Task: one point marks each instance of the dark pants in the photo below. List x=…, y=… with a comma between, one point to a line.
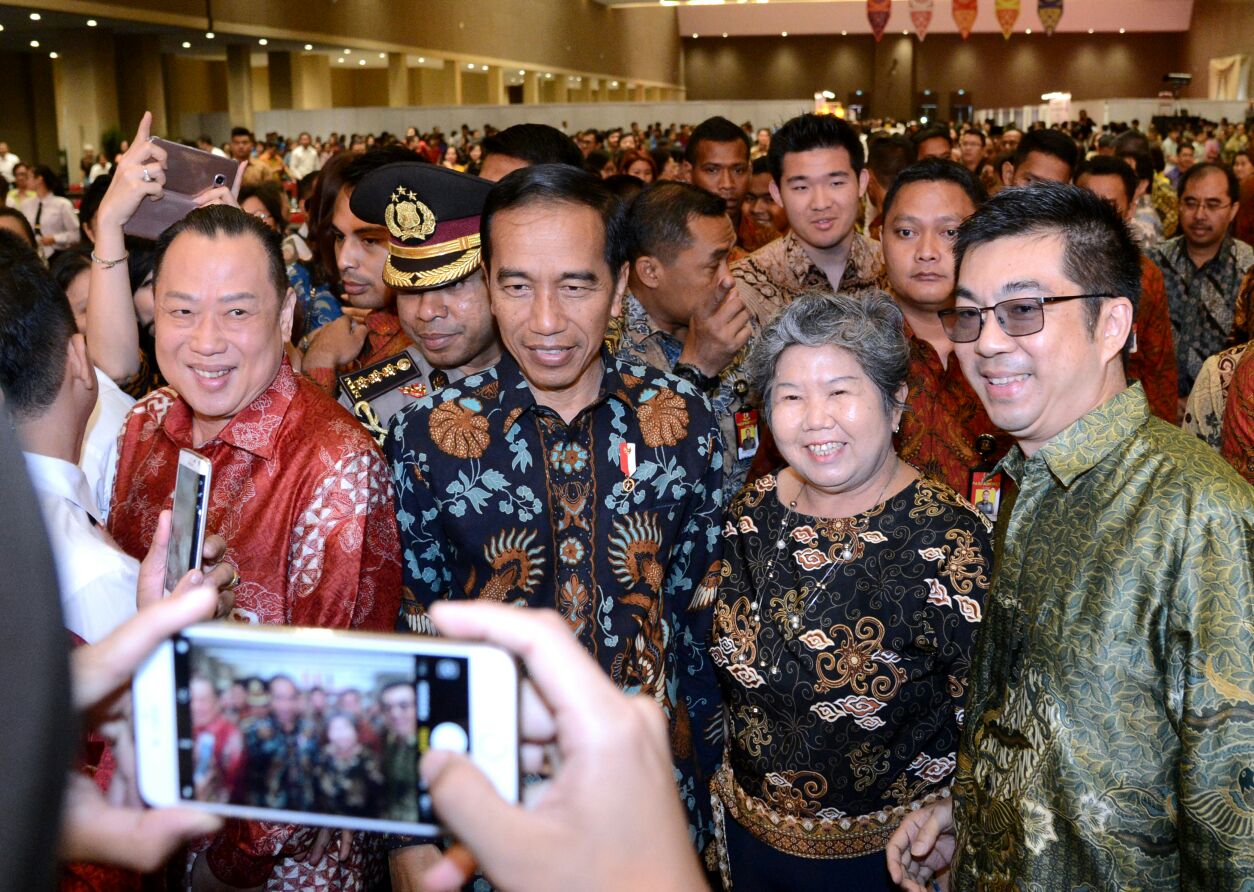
x=756, y=867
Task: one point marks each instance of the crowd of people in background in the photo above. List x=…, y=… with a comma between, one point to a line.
x=745, y=407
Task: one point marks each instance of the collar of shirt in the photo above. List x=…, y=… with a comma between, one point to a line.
x=516, y=398
x=1177, y=254
x=62, y=479
x=860, y=267
x=1088, y=441
x=253, y=429
x=638, y=326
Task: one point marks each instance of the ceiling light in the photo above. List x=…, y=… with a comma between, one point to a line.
x=340, y=60
x=308, y=47
x=34, y=44
x=724, y=33
x=263, y=41
x=614, y=83
x=52, y=55
x=383, y=55
x=347, y=51
x=1028, y=31
x=361, y=61
x=695, y=35
x=844, y=33
x=1, y=27
x=521, y=71
x=470, y=65
x=1090, y=30
x=422, y=60
x=783, y=33
x=905, y=33
x=34, y=16
x=187, y=44
x=91, y=23
x=1122, y=30
x=209, y=35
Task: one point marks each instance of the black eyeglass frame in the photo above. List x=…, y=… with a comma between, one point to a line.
x=952, y=312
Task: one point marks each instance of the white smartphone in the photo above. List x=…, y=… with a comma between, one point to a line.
x=319, y=726
x=189, y=515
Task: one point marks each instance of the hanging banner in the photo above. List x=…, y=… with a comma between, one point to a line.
x=921, y=16
x=877, y=13
x=964, y=16
x=1007, y=12
x=1050, y=12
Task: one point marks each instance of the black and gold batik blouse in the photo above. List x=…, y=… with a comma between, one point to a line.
x=842, y=647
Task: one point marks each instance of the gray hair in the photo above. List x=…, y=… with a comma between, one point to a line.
x=868, y=327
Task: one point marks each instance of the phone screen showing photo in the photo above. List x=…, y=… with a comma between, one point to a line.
x=180, y=554
x=326, y=731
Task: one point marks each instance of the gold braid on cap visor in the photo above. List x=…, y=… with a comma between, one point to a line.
x=441, y=275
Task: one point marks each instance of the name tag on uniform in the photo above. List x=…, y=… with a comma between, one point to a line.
x=985, y=493
x=747, y=434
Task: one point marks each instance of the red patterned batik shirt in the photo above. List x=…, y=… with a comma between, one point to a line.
x=304, y=501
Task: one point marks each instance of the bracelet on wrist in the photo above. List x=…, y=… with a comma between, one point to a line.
x=697, y=378
x=110, y=264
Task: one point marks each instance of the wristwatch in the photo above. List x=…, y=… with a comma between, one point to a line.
x=697, y=378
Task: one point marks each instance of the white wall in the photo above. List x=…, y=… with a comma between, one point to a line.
x=1106, y=111
x=568, y=116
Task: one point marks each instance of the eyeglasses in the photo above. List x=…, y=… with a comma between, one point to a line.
x=1213, y=206
x=1018, y=317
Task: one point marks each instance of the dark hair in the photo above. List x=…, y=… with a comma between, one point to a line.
x=1108, y=166
x=242, y=131
x=221, y=221
x=595, y=162
x=759, y=165
x=716, y=129
x=936, y=170
x=558, y=184
x=67, y=265
x=1131, y=142
x=535, y=144
x=1099, y=252
x=624, y=186
x=206, y=138
x=1234, y=185
x=308, y=183
x=141, y=254
x=50, y=178
x=658, y=220
x=976, y=131
x=92, y=196
x=270, y=196
x=1141, y=160
x=36, y=324
x=25, y=224
x=937, y=132
x=1048, y=142
x=631, y=156
x=809, y=131
x=888, y=155
x=360, y=165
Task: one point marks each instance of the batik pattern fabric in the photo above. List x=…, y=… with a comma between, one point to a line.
x=943, y=419
x=1108, y=724
x=351, y=785
x=1204, y=412
x=1243, y=313
x=774, y=276
x=842, y=646
x=304, y=501
x=613, y=520
x=279, y=764
x=1166, y=204
x=384, y=338
x=318, y=304
x=1238, y=424
x=638, y=341
x=1202, y=300
x=751, y=236
x=1153, y=363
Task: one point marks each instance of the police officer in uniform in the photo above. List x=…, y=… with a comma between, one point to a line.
x=432, y=217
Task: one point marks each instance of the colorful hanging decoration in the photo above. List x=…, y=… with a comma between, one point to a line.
x=964, y=16
x=877, y=13
x=1050, y=12
x=1007, y=12
x=921, y=16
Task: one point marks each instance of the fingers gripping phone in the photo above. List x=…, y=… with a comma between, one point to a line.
x=315, y=726
x=188, y=172
x=188, y=517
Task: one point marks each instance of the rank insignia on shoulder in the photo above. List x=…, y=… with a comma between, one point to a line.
x=388, y=374
x=417, y=391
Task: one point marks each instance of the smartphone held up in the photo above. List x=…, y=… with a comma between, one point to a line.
x=316, y=726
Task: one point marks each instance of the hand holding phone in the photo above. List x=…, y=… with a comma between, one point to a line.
x=189, y=516
x=615, y=779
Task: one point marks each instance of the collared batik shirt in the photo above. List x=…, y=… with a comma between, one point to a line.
x=638, y=341
x=1238, y=426
x=1108, y=735
x=1202, y=300
x=1204, y=412
x=613, y=520
x=771, y=278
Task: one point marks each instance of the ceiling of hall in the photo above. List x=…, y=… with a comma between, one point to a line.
x=750, y=18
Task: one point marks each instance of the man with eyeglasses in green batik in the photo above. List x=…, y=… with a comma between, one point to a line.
x=1202, y=268
x=1107, y=729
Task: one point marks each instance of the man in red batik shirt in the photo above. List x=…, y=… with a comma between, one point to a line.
x=300, y=492
x=944, y=420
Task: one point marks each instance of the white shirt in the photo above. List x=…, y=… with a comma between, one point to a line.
x=57, y=219
x=97, y=578
x=8, y=161
x=302, y=161
x=98, y=170
x=99, y=460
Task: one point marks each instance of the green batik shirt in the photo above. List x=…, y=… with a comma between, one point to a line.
x=1109, y=741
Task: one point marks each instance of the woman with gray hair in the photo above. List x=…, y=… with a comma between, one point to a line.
x=851, y=590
